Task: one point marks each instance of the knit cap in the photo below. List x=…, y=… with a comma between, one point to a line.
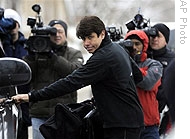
x=164, y=30
x=10, y=13
x=62, y=23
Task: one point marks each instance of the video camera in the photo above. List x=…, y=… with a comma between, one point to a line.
x=139, y=22
x=39, y=42
x=127, y=45
x=114, y=33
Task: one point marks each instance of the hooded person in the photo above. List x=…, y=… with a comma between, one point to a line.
x=148, y=87
x=141, y=55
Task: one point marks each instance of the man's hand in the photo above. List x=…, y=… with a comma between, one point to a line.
x=2, y=100
x=20, y=98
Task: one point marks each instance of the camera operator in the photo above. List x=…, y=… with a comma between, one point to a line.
x=15, y=46
x=158, y=50
x=47, y=67
x=147, y=88
x=13, y=42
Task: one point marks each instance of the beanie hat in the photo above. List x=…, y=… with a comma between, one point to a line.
x=164, y=30
x=10, y=13
x=62, y=23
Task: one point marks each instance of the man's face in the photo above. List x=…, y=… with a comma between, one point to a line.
x=15, y=30
x=92, y=42
x=137, y=46
x=60, y=37
x=158, y=42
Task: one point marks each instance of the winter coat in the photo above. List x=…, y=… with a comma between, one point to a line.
x=109, y=73
x=165, y=56
x=147, y=89
x=46, y=69
x=15, y=49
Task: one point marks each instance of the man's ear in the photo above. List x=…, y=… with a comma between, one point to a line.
x=103, y=34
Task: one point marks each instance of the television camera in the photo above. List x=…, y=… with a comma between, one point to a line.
x=139, y=22
x=114, y=33
x=39, y=42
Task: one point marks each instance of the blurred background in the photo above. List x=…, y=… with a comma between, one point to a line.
x=112, y=12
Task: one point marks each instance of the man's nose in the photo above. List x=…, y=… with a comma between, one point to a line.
x=86, y=41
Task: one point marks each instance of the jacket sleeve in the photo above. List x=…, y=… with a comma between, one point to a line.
x=152, y=72
x=64, y=66
x=93, y=71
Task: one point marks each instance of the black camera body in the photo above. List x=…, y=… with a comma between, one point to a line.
x=127, y=45
x=151, y=32
x=114, y=33
x=39, y=42
x=139, y=22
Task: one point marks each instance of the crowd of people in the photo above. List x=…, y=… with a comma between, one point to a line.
x=128, y=110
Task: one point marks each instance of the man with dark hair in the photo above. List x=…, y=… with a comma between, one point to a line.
x=109, y=73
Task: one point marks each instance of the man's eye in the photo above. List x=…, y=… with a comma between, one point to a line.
x=60, y=31
x=137, y=43
x=90, y=37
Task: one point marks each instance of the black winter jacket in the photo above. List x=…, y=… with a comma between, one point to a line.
x=165, y=56
x=109, y=73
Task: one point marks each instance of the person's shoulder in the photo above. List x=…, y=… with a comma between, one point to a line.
x=72, y=50
x=170, y=53
x=150, y=60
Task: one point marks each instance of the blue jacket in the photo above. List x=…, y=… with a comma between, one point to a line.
x=15, y=49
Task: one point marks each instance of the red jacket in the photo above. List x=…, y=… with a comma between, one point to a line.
x=147, y=89
x=150, y=104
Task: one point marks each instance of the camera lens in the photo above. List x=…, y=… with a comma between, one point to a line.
x=40, y=44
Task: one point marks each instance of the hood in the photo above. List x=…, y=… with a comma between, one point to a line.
x=144, y=39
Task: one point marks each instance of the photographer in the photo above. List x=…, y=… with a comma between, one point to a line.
x=15, y=46
x=13, y=42
x=147, y=88
x=47, y=67
x=159, y=50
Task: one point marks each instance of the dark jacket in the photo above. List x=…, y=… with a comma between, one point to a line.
x=170, y=90
x=15, y=49
x=147, y=88
x=109, y=73
x=46, y=69
x=165, y=56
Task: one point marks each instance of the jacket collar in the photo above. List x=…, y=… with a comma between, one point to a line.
x=105, y=42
